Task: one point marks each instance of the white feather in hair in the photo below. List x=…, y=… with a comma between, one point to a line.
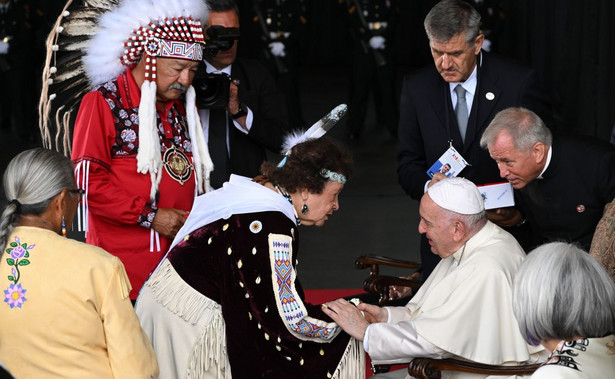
x=317, y=130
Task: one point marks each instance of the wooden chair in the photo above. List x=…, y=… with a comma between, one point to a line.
x=379, y=284
x=423, y=368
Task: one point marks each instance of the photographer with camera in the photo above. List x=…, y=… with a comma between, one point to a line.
x=238, y=100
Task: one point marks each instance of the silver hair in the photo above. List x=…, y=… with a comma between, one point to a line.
x=561, y=292
x=472, y=222
x=523, y=125
x=449, y=18
x=31, y=180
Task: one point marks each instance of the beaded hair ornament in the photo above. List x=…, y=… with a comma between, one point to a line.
x=319, y=129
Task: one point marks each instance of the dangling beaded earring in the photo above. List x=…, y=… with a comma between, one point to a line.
x=63, y=227
x=304, y=209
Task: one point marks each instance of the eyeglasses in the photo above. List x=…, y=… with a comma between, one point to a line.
x=78, y=191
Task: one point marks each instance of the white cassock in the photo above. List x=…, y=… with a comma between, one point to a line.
x=463, y=310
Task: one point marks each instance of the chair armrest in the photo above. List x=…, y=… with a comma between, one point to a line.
x=379, y=284
x=373, y=261
x=428, y=368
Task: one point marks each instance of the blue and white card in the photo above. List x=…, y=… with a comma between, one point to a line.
x=451, y=163
x=498, y=195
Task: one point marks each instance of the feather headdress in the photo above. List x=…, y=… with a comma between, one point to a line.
x=114, y=36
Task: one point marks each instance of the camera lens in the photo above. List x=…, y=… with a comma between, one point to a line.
x=212, y=91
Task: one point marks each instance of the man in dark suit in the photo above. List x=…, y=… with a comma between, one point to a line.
x=430, y=106
x=562, y=183
x=253, y=119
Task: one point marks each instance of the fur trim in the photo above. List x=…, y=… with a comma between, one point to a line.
x=148, y=156
x=203, y=165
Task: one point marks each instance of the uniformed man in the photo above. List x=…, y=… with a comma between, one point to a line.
x=280, y=24
x=372, y=25
x=492, y=22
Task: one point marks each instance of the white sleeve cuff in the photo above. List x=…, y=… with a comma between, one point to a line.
x=249, y=119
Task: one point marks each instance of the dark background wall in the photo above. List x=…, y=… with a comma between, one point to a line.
x=570, y=43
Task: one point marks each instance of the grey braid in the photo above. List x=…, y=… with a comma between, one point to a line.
x=31, y=180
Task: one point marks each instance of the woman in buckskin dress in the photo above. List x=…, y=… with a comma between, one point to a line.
x=226, y=301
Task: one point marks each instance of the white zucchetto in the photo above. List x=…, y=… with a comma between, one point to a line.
x=458, y=195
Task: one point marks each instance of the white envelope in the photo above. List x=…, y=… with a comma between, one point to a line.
x=498, y=195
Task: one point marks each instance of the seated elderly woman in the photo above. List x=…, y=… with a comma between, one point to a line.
x=66, y=312
x=226, y=300
x=565, y=300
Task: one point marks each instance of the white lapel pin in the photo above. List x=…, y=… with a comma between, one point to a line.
x=490, y=96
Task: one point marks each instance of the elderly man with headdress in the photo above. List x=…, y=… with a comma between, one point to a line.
x=226, y=301
x=464, y=309
x=138, y=146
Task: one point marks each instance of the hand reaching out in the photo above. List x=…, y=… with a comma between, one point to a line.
x=168, y=221
x=350, y=318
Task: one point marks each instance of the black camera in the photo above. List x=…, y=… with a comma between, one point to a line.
x=212, y=90
x=220, y=39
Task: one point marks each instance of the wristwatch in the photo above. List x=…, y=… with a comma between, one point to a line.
x=243, y=111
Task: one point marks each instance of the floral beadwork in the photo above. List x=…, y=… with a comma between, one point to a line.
x=18, y=253
x=15, y=295
x=256, y=226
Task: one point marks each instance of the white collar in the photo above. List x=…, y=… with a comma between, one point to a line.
x=470, y=83
x=546, y=163
x=240, y=195
x=209, y=68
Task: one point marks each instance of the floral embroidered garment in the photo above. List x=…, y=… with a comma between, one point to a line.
x=66, y=312
x=226, y=301
x=117, y=212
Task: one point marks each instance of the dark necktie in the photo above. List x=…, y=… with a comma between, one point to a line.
x=461, y=111
x=217, y=147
